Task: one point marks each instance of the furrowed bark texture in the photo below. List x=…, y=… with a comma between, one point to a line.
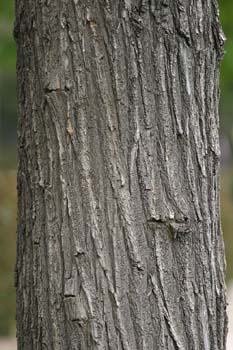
x=119, y=237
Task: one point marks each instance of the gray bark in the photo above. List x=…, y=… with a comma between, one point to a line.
x=119, y=238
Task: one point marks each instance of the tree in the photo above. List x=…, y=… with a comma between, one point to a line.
x=119, y=237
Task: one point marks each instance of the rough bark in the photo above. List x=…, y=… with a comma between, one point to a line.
x=119, y=237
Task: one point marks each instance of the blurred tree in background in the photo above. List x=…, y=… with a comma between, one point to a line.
x=226, y=133
x=7, y=244
x=8, y=115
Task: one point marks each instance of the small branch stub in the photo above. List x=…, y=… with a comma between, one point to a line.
x=70, y=128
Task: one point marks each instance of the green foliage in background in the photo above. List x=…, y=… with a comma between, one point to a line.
x=226, y=77
x=7, y=45
x=7, y=160
x=226, y=14
x=8, y=106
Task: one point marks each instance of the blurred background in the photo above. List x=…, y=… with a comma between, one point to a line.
x=8, y=163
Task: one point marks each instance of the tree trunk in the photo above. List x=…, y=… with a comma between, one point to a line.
x=119, y=237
